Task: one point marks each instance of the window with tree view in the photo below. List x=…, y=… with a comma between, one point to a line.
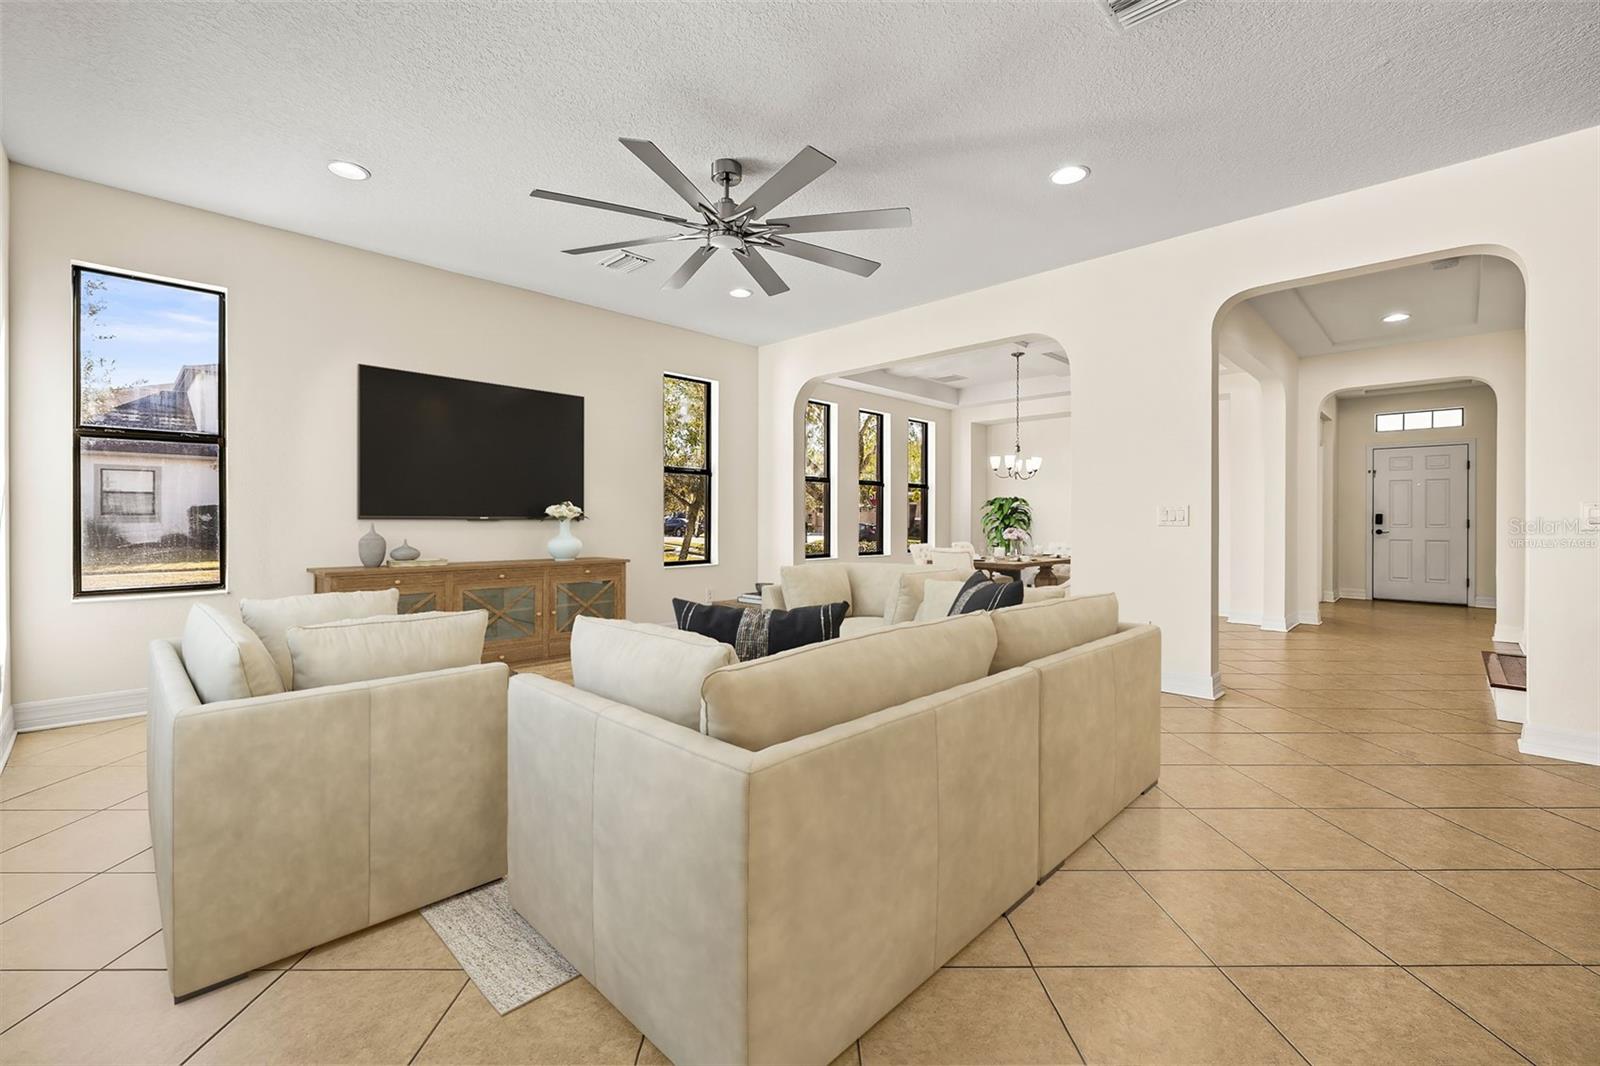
x=869, y=517
x=686, y=470
x=147, y=435
x=918, y=492
x=819, y=487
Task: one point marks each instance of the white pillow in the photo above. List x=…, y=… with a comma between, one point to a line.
x=905, y=600
x=1038, y=594
x=272, y=619
x=815, y=584
x=653, y=668
x=937, y=599
x=363, y=649
x=224, y=659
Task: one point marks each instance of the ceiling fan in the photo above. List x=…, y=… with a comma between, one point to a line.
x=742, y=229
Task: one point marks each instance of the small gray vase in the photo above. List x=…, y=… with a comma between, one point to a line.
x=405, y=553
x=371, y=547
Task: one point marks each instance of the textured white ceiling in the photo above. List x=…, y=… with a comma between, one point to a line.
x=1479, y=294
x=1210, y=112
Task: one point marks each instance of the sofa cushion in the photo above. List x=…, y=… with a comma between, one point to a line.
x=1035, y=630
x=755, y=632
x=757, y=704
x=906, y=596
x=872, y=586
x=854, y=627
x=225, y=660
x=654, y=668
x=937, y=599
x=981, y=594
x=272, y=619
x=362, y=649
x=814, y=584
x=1040, y=593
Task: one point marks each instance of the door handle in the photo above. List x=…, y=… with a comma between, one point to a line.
x=1380, y=532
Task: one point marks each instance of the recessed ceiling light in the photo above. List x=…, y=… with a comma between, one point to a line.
x=1070, y=174
x=340, y=168
x=1396, y=316
x=739, y=294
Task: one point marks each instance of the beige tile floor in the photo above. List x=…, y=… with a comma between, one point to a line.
x=1347, y=860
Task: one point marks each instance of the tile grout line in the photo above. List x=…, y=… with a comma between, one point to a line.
x=234, y=1016
x=1048, y=998
x=465, y=981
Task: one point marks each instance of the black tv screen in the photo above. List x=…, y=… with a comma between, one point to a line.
x=438, y=447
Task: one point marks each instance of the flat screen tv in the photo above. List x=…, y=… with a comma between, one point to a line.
x=438, y=447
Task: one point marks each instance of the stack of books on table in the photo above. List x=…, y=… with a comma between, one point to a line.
x=753, y=598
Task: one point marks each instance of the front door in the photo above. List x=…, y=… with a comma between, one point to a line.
x=1419, y=523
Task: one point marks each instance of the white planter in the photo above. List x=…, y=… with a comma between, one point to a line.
x=564, y=545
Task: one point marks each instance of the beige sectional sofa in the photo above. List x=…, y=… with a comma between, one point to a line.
x=871, y=589
x=846, y=818
x=284, y=816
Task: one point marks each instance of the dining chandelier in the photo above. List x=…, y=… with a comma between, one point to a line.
x=1014, y=465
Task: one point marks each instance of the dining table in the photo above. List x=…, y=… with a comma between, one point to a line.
x=1013, y=567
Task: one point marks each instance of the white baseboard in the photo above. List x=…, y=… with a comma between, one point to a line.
x=1330, y=595
x=79, y=710
x=1510, y=704
x=1486, y=602
x=1560, y=744
x=1201, y=686
x=1251, y=618
x=8, y=733
x=1312, y=617
x=1278, y=625
x=1508, y=634
x=1353, y=594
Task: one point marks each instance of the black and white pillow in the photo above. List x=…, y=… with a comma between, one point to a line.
x=982, y=594
x=755, y=632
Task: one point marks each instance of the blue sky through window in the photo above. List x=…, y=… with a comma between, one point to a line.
x=148, y=330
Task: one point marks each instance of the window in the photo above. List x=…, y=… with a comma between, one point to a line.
x=147, y=435
x=686, y=470
x=819, y=487
x=918, y=492
x=869, y=517
x=1444, y=418
x=127, y=492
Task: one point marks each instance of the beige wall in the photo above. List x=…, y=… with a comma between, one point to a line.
x=7, y=722
x=1049, y=492
x=850, y=403
x=302, y=314
x=1357, y=434
x=1144, y=389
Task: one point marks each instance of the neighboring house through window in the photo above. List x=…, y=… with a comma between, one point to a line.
x=148, y=444
x=870, y=531
x=686, y=417
x=819, y=483
x=919, y=493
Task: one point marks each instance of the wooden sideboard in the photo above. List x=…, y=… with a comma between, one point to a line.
x=532, y=603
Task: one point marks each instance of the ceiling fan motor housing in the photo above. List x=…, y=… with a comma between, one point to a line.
x=727, y=172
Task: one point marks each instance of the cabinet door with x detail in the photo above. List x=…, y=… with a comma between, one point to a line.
x=513, y=601
x=592, y=591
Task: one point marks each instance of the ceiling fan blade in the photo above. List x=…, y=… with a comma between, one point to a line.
x=828, y=257
x=839, y=221
x=758, y=268
x=656, y=160
x=614, y=245
x=584, y=201
x=696, y=260
x=806, y=167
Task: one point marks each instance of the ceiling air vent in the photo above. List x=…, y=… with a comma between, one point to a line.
x=949, y=379
x=1446, y=264
x=1127, y=13
x=626, y=262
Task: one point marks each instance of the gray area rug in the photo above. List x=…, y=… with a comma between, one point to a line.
x=505, y=956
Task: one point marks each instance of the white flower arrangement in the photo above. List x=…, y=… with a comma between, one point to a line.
x=564, y=510
x=1012, y=533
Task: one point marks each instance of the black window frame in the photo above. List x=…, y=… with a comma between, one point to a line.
x=706, y=471
x=923, y=484
x=826, y=481
x=862, y=482
x=81, y=432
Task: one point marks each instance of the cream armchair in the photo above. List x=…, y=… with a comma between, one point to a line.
x=283, y=821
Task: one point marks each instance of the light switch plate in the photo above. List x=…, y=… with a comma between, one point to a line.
x=1173, y=515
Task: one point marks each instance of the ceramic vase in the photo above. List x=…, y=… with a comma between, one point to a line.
x=371, y=547
x=405, y=553
x=564, y=545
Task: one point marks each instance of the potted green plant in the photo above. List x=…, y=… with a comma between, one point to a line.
x=1004, y=513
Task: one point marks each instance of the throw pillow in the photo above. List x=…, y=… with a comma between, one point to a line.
x=937, y=598
x=981, y=594
x=272, y=619
x=654, y=668
x=755, y=632
x=906, y=596
x=365, y=649
x=224, y=659
x=814, y=584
